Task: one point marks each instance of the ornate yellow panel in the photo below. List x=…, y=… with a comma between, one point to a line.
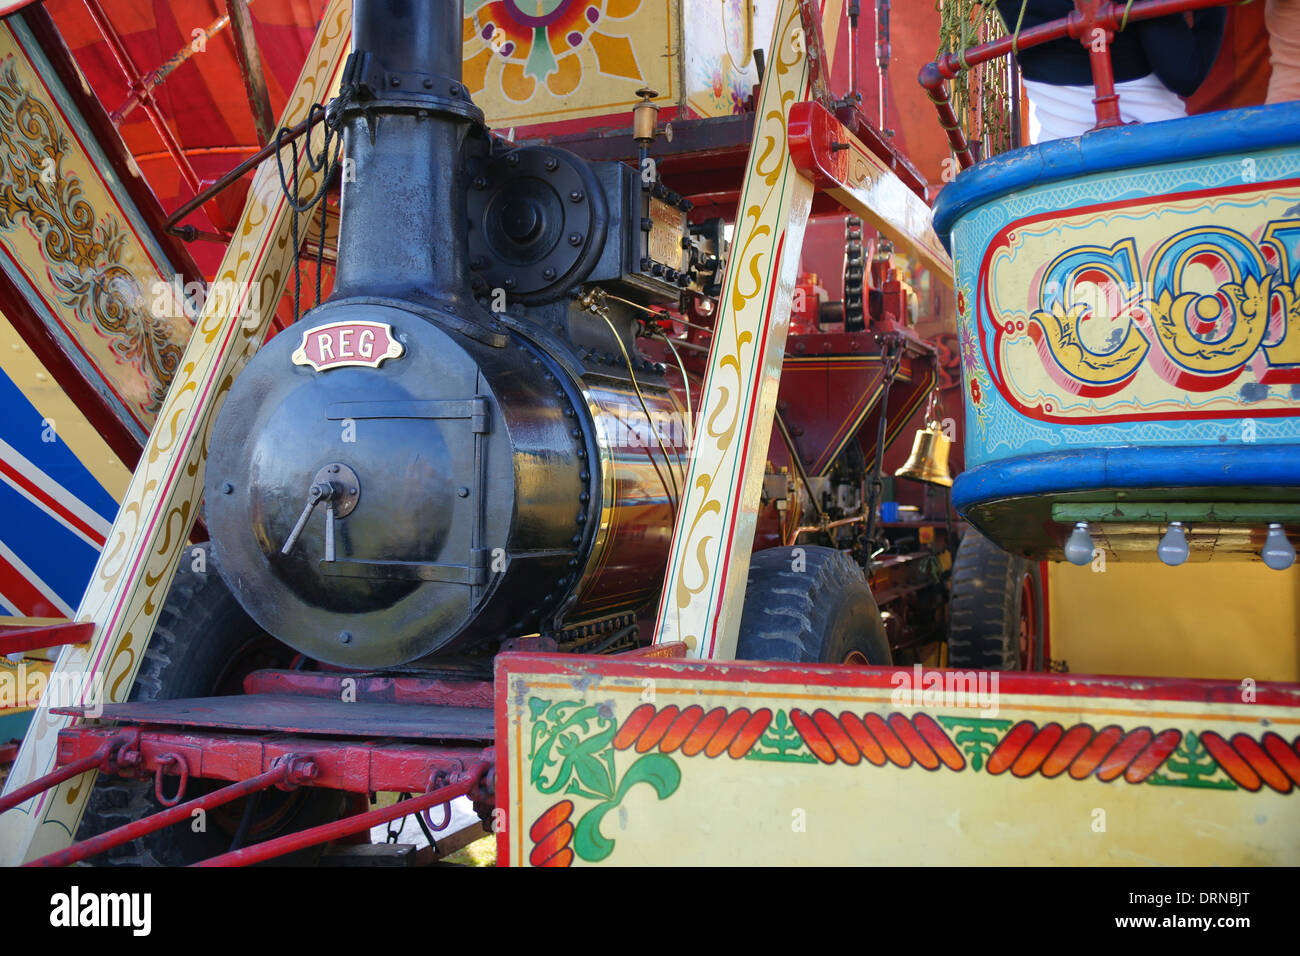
x=532, y=62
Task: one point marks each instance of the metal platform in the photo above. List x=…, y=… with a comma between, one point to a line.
x=305, y=715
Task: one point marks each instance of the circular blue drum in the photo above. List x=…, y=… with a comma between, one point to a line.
x=1128, y=308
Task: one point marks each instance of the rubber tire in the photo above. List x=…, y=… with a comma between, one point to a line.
x=819, y=614
x=984, y=614
x=203, y=645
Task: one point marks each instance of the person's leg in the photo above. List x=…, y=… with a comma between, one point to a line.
x=1282, y=17
x=1056, y=112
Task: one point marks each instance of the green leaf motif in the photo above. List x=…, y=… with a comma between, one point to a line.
x=1191, y=765
x=658, y=770
x=570, y=747
x=977, y=736
x=781, y=742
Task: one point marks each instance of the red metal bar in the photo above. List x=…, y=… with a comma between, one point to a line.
x=354, y=765
x=1088, y=15
x=811, y=16
x=289, y=771
x=395, y=689
x=102, y=756
x=155, y=78
x=137, y=85
x=15, y=639
x=292, y=842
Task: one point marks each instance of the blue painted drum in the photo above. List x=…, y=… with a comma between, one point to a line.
x=1129, y=320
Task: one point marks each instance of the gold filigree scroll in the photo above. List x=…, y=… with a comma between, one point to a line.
x=82, y=251
x=144, y=545
x=705, y=584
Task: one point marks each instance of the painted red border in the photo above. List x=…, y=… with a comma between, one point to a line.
x=764, y=673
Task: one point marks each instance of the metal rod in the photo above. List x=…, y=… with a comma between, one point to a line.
x=14, y=640
x=1109, y=16
x=189, y=233
x=157, y=77
x=66, y=772
x=292, y=842
x=882, y=60
x=136, y=83
x=806, y=528
x=158, y=821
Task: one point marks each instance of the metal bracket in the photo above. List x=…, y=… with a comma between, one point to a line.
x=810, y=16
x=474, y=574
x=475, y=409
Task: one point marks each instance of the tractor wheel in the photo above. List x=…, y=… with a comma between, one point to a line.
x=996, y=616
x=810, y=605
x=204, y=645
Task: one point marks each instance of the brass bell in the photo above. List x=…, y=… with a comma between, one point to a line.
x=929, y=460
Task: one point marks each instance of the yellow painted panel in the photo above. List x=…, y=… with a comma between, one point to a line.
x=689, y=763
x=573, y=60
x=1219, y=619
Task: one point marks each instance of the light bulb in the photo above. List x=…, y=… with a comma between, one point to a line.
x=1278, y=553
x=1079, y=547
x=1173, y=546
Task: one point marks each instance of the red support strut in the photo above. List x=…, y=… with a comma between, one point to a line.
x=101, y=758
x=467, y=783
x=290, y=771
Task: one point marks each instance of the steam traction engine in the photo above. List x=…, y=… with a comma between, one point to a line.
x=479, y=442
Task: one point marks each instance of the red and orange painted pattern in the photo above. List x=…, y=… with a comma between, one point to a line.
x=1083, y=750
x=1026, y=749
x=894, y=739
x=551, y=834
x=693, y=730
x=1251, y=765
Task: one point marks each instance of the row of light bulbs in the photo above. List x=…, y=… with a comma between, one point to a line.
x=1278, y=552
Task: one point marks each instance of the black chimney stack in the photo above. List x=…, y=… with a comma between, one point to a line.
x=403, y=213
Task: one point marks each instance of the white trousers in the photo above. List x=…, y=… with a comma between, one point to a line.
x=1056, y=112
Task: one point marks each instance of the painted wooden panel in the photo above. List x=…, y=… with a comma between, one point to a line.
x=1152, y=306
x=75, y=247
x=699, y=763
x=704, y=590
x=548, y=61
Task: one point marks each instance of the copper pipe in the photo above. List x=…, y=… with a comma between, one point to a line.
x=805, y=528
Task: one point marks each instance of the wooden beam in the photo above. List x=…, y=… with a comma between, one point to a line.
x=838, y=162
x=250, y=63
x=704, y=591
x=135, y=570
